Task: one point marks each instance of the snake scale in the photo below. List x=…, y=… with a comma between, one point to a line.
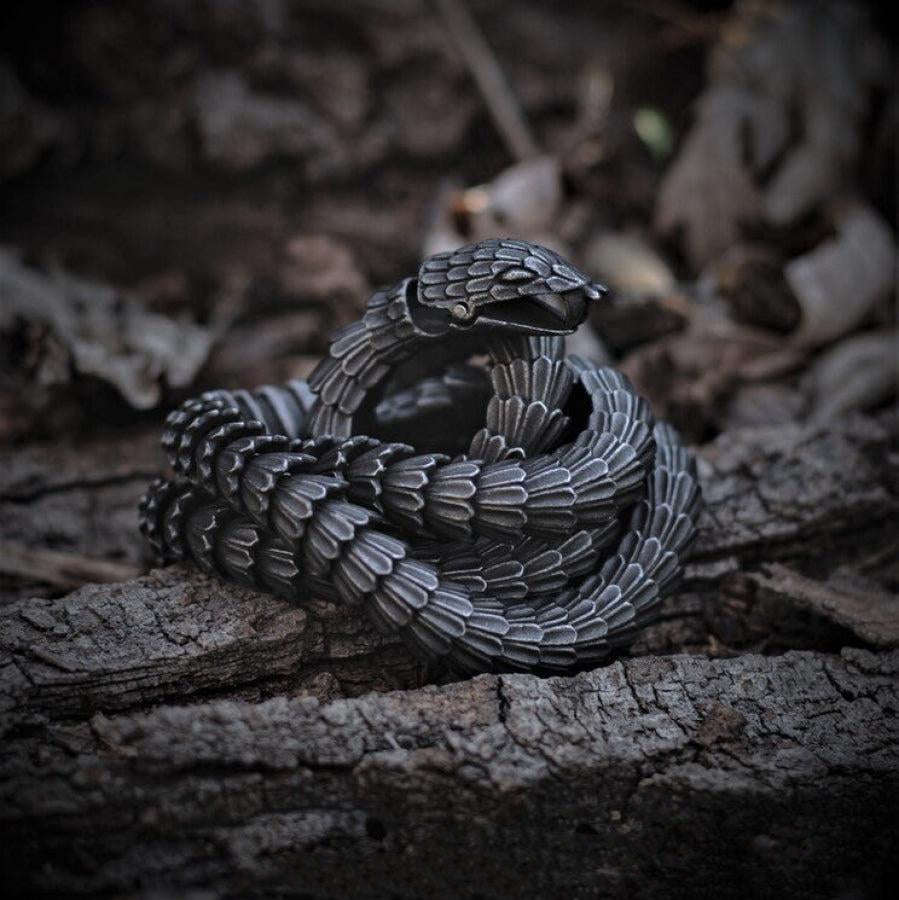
x=543, y=542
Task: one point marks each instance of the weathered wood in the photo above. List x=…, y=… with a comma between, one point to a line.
x=717, y=772
x=76, y=497
x=871, y=614
x=716, y=778
x=789, y=490
x=64, y=570
x=176, y=633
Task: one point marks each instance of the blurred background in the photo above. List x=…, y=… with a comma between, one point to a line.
x=195, y=195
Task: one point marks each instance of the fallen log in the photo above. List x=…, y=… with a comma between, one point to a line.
x=173, y=731
x=647, y=778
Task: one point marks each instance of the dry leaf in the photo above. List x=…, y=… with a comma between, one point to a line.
x=814, y=61
x=709, y=192
x=240, y=128
x=838, y=283
x=630, y=266
x=322, y=269
x=523, y=201
x=750, y=279
x=104, y=333
x=646, y=302
x=859, y=373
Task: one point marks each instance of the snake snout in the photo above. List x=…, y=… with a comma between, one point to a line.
x=578, y=301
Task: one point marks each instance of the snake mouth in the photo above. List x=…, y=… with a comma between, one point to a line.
x=549, y=313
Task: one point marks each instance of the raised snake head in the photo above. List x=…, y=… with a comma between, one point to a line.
x=505, y=283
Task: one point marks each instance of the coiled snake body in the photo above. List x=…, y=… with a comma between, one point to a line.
x=549, y=542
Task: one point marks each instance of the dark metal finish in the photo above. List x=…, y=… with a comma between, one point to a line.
x=506, y=284
x=546, y=545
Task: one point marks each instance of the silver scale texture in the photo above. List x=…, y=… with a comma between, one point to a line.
x=544, y=545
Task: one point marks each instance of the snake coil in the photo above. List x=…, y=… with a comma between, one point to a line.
x=542, y=543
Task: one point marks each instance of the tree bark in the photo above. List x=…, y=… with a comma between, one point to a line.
x=172, y=731
x=728, y=776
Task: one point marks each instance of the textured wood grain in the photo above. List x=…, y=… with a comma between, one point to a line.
x=173, y=731
x=726, y=775
x=77, y=497
x=175, y=635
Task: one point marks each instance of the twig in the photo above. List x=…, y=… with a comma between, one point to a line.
x=692, y=26
x=64, y=570
x=501, y=102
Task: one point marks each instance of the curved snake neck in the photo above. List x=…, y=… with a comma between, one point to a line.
x=545, y=546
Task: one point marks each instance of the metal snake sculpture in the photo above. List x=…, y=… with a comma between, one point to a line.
x=544, y=546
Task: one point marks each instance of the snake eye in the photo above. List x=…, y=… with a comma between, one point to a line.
x=463, y=312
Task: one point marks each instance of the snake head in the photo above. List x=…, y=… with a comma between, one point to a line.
x=504, y=283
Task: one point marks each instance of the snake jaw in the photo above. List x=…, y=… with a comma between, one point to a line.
x=550, y=313
x=503, y=283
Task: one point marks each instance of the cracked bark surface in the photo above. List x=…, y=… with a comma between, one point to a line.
x=723, y=774
x=76, y=498
x=172, y=731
